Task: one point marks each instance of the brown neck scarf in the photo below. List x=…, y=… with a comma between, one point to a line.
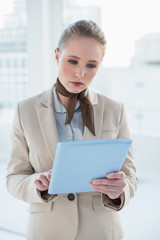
x=85, y=106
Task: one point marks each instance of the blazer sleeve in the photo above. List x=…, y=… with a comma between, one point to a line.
x=20, y=173
x=128, y=168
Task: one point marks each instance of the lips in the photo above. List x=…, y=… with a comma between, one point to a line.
x=76, y=83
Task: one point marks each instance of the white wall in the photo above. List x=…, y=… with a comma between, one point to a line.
x=147, y=153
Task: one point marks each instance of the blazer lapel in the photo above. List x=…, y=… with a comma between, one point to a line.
x=98, y=107
x=47, y=121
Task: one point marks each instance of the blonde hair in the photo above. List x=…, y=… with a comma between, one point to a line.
x=83, y=28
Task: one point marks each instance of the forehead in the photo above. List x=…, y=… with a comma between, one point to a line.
x=83, y=48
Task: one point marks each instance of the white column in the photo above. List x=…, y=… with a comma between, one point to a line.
x=44, y=29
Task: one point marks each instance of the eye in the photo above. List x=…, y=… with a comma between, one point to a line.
x=91, y=66
x=72, y=62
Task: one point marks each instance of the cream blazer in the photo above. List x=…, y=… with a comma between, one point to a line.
x=90, y=216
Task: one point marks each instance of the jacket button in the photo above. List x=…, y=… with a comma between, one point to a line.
x=71, y=196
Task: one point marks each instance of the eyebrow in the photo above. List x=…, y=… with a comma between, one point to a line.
x=79, y=58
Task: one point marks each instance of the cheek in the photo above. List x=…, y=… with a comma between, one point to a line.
x=65, y=69
x=91, y=74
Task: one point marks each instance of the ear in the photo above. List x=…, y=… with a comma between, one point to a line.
x=57, y=55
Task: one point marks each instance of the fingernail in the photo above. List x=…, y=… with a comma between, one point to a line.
x=94, y=182
x=109, y=175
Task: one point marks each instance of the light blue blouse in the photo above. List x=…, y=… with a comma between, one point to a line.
x=72, y=131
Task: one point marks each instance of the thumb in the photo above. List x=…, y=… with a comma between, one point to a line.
x=48, y=176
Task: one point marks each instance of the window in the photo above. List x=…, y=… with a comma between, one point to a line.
x=13, y=54
x=13, y=87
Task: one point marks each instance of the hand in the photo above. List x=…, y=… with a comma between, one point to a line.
x=42, y=182
x=113, y=185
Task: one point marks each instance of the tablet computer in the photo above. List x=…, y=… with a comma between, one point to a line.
x=77, y=163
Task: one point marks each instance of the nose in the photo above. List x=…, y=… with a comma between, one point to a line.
x=80, y=73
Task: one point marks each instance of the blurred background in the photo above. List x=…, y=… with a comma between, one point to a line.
x=29, y=33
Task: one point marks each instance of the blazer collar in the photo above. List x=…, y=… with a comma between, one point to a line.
x=47, y=98
x=47, y=121
x=93, y=97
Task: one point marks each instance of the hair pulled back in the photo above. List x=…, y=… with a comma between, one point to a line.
x=82, y=28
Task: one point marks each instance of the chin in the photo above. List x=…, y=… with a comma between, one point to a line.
x=75, y=90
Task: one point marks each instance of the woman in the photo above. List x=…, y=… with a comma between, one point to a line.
x=70, y=111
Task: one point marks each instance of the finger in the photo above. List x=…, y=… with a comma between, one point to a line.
x=110, y=182
x=113, y=193
x=39, y=185
x=116, y=175
x=48, y=176
x=108, y=188
x=44, y=180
